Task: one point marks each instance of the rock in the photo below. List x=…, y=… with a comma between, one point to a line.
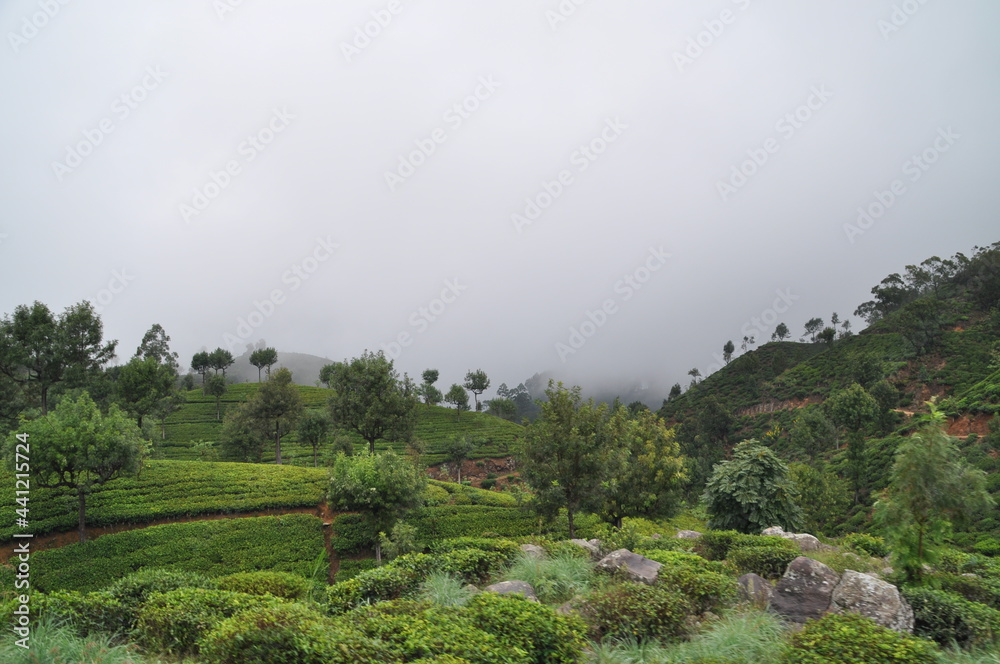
x=872, y=598
x=513, y=587
x=638, y=568
x=471, y=589
x=887, y=571
x=805, y=590
x=655, y=536
x=774, y=531
x=595, y=550
x=804, y=541
x=533, y=551
x=688, y=534
x=755, y=590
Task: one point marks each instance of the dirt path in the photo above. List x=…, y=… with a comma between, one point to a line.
x=56, y=540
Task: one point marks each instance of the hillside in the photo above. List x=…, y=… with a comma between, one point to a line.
x=190, y=432
x=304, y=367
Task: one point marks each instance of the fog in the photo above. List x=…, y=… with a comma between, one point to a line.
x=605, y=191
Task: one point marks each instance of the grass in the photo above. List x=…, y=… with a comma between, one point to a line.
x=53, y=643
x=444, y=589
x=556, y=579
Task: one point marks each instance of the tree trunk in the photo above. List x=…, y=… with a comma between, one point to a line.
x=277, y=443
x=315, y=462
x=258, y=374
x=617, y=522
x=45, y=400
x=82, y=525
x=378, y=551
x=218, y=408
x=572, y=528
x=371, y=447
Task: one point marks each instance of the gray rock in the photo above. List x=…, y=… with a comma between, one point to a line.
x=593, y=549
x=513, y=587
x=533, y=551
x=638, y=568
x=775, y=531
x=471, y=589
x=755, y=590
x=805, y=591
x=872, y=598
x=688, y=534
x=804, y=541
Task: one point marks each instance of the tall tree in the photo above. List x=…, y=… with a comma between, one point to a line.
x=752, y=491
x=221, y=359
x=502, y=407
x=565, y=452
x=780, y=333
x=200, y=364
x=457, y=450
x=477, y=383
x=813, y=327
x=459, y=398
x=314, y=429
x=277, y=404
x=675, y=391
x=854, y=410
x=215, y=387
x=263, y=357
x=430, y=376
x=39, y=350
x=383, y=486
x=371, y=399
x=243, y=436
x=432, y=396
x=142, y=384
x=156, y=344
x=646, y=470
x=78, y=448
x=727, y=351
x=930, y=487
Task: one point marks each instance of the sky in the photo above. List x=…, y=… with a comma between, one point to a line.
x=606, y=191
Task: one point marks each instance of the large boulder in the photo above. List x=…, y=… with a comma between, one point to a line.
x=872, y=598
x=754, y=589
x=774, y=531
x=636, y=567
x=593, y=547
x=805, y=591
x=513, y=587
x=804, y=541
x=533, y=551
x=688, y=534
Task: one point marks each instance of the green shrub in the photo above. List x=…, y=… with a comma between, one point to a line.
x=472, y=565
x=769, y=562
x=500, y=545
x=174, y=621
x=972, y=588
x=55, y=643
x=412, y=630
x=555, y=579
x=90, y=613
x=865, y=544
x=278, y=584
x=852, y=639
x=706, y=583
x=133, y=590
x=988, y=547
x=667, y=544
x=538, y=630
x=435, y=495
x=716, y=544
x=487, y=484
x=561, y=548
x=350, y=568
x=947, y=617
x=635, y=610
x=376, y=585
x=289, y=634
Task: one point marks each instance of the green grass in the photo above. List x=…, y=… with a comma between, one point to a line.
x=444, y=589
x=53, y=643
x=166, y=489
x=196, y=421
x=556, y=579
x=289, y=543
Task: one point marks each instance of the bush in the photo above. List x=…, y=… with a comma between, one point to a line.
x=90, y=613
x=473, y=565
x=716, y=544
x=706, y=583
x=635, y=610
x=543, y=634
x=554, y=579
x=947, y=617
x=174, y=621
x=500, y=545
x=289, y=634
x=444, y=589
x=382, y=583
x=769, y=562
x=974, y=589
x=58, y=644
x=987, y=547
x=852, y=639
x=865, y=544
x=278, y=584
x=134, y=589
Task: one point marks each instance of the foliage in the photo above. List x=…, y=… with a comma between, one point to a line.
x=476, y=382
x=457, y=397
x=635, y=610
x=555, y=579
x=823, y=497
x=546, y=636
x=263, y=357
x=865, y=544
x=769, y=562
x=947, y=617
x=444, y=589
x=401, y=540
x=277, y=407
x=314, y=429
x=62, y=646
x=752, y=491
x=133, y=590
x=278, y=584
x=852, y=639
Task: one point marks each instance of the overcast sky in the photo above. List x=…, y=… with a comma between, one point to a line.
x=606, y=190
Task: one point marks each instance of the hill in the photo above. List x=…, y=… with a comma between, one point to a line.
x=191, y=432
x=304, y=367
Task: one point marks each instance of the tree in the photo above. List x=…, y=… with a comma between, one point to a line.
x=166, y=406
x=827, y=335
x=457, y=397
x=263, y=357
x=430, y=376
x=200, y=364
x=748, y=342
x=327, y=372
x=704, y=440
x=565, y=452
x=727, y=351
x=929, y=487
x=39, y=350
x=695, y=375
x=675, y=391
x=477, y=383
x=853, y=410
x=78, y=448
x=142, y=384
x=458, y=450
x=645, y=474
x=277, y=404
x=156, y=344
x=780, y=333
x=751, y=492
x=221, y=359
x=824, y=497
x=370, y=399
x=813, y=327
x=215, y=387
x=502, y=407
x=432, y=396
x=812, y=433
x=381, y=485
x=243, y=436
x=314, y=429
